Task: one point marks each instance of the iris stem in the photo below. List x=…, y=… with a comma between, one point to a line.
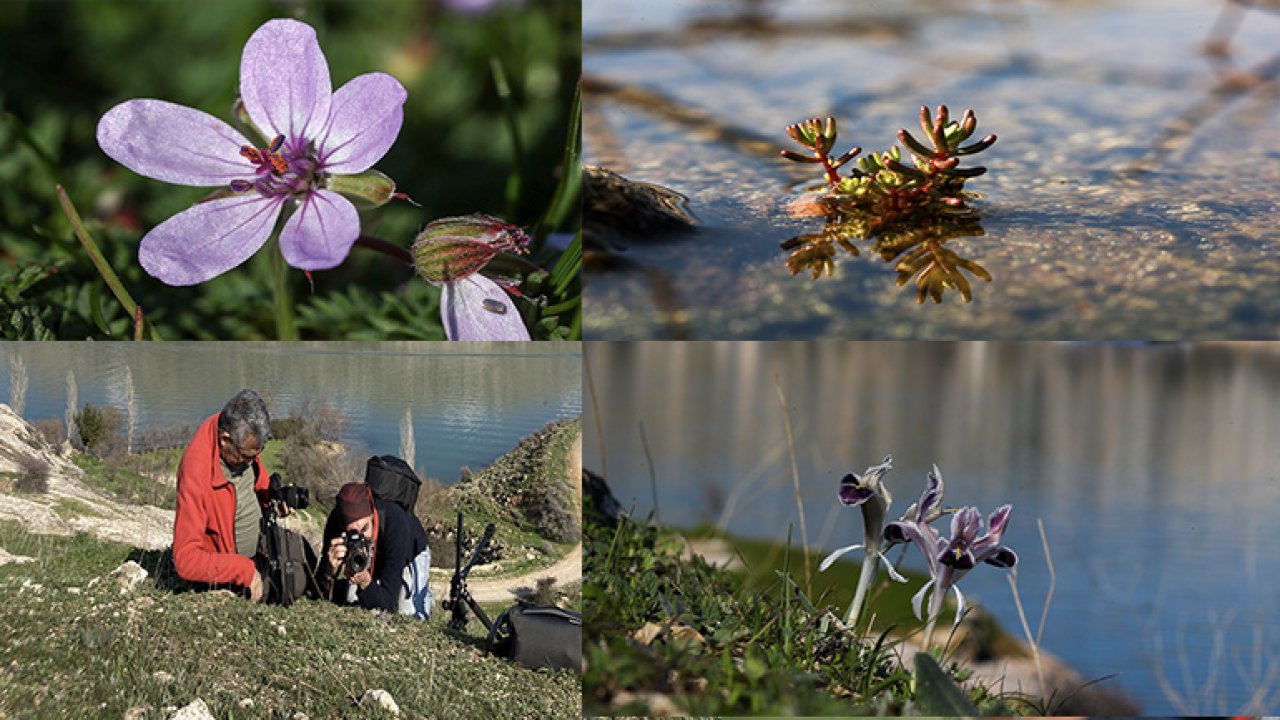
x=868, y=574
x=286, y=329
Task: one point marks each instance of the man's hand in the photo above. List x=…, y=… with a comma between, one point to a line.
x=281, y=509
x=362, y=579
x=255, y=587
x=337, y=553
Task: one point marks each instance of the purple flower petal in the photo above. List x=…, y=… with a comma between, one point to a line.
x=176, y=144
x=208, y=239
x=469, y=310
x=1001, y=557
x=284, y=80
x=364, y=120
x=998, y=521
x=321, y=231
x=852, y=492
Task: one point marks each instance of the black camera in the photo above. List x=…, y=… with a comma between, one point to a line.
x=359, y=554
x=294, y=496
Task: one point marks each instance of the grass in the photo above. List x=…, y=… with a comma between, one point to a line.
x=76, y=647
x=750, y=642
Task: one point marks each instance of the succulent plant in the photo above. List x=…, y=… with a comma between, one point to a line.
x=819, y=137
x=909, y=208
x=890, y=189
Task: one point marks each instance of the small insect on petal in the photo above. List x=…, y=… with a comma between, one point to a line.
x=495, y=306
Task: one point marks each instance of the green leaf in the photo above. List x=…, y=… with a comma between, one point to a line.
x=565, y=199
x=936, y=693
x=568, y=266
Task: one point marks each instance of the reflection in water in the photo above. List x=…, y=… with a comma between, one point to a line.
x=919, y=249
x=470, y=402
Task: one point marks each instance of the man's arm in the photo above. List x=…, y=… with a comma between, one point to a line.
x=192, y=561
x=393, y=549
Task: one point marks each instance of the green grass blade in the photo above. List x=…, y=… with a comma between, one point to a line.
x=565, y=199
x=515, y=180
x=569, y=266
x=100, y=262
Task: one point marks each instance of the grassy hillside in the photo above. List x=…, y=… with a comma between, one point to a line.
x=76, y=644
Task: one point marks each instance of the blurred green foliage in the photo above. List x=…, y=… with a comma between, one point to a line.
x=63, y=64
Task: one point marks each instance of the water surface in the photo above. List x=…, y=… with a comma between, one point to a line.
x=470, y=402
x=1132, y=193
x=1153, y=468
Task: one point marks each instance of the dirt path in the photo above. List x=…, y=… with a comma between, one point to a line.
x=566, y=571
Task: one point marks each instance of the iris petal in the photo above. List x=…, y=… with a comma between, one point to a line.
x=828, y=560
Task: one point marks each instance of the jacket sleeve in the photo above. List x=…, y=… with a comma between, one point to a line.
x=393, y=554
x=192, y=561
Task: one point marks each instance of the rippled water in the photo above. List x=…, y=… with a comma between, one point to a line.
x=470, y=402
x=1154, y=468
x=1132, y=192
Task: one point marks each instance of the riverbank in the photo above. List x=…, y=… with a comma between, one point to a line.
x=686, y=622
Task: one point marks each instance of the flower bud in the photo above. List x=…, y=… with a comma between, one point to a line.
x=453, y=248
x=367, y=190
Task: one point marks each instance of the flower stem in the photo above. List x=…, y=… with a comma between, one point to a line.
x=104, y=269
x=935, y=609
x=285, y=327
x=865, y=579
x=386, y=248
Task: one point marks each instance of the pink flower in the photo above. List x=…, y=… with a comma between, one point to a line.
x=312, y=133
x=450, y=253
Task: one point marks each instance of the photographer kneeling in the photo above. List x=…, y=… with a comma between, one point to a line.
x=376, y=555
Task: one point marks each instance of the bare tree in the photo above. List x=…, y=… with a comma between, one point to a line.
x=17, y=383
x=132, y=408
x=407, y=446
x=73, y=434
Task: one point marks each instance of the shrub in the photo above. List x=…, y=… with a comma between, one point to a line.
x=53, y=431
x=322, y=469
x=33, y=475
x=553, y=511
x=100, y=427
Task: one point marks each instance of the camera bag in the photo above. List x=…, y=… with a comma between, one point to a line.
x=538, y=636
x=286, y=562
x=391, y=478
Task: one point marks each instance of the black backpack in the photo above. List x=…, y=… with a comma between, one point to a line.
x=391, y=478
x=538, y=636
x=286, y=562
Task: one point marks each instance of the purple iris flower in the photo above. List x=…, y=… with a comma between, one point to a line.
x=312, y=133
x=949, y=560
x=868, y=492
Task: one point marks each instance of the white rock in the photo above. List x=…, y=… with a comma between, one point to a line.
x=162, y=677
x=137, y=712
x=246, y=703
x=129, y=575
x=380, y=697
x=197, y=710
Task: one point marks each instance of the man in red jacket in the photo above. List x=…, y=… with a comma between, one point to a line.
x=222, y=488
